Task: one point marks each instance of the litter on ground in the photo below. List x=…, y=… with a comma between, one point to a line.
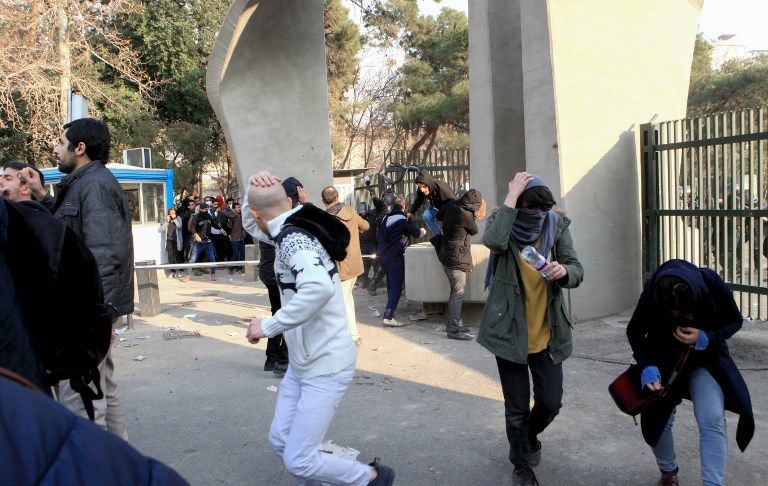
x=338, y=450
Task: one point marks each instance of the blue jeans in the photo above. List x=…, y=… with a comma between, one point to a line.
x=430, y=219
x=709, y=409
x=395, y=267
x=238, y=252
x=209, y=250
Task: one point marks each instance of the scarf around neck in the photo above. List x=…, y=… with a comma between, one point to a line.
x=528, y=227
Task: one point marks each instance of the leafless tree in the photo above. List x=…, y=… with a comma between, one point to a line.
x=49, y=47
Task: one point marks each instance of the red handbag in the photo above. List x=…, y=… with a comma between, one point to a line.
x=631, y=397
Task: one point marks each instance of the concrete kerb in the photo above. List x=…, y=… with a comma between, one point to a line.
x=431, y=407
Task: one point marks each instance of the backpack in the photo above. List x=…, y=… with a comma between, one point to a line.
x=59, y=287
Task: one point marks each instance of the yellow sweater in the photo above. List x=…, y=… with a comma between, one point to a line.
x=535, y=307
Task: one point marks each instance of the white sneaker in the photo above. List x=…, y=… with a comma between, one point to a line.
x=422, y=232
x=392, y=322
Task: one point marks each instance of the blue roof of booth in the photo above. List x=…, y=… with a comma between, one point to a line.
x=121, y=172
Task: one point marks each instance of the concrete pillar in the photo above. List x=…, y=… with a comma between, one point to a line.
x=578, y=78
x=251, y=272
x=497, y=148
x=149, y=290
x=267, y=83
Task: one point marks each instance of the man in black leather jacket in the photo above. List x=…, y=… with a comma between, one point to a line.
x=91, y=202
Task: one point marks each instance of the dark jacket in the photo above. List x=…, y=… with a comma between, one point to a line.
x=236, y=232
x=368, y=241
x=92, y=203
x=185, y=215
x=503, y=326
x=16, y=348
x=71, y=332
x=393, y=234
x=458, y=217
x=267, y=264
x=650, y=335
x=439, y=192
x=225, y=217
x=44, y=443
x=201, y=223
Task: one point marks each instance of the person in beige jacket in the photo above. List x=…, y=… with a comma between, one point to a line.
x=351, y=267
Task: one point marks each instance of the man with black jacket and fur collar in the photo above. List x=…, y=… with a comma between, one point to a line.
x=312, y=319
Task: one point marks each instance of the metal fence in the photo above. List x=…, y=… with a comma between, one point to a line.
x=450, y=165
x=704, y=199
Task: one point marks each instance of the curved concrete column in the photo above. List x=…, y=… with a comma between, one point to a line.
x=267, y=83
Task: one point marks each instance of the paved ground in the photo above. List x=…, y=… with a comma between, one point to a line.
x=430, y=407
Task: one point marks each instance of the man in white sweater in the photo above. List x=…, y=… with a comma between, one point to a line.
x=313, y=322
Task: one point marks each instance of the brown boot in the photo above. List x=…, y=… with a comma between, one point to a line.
x=668, y=480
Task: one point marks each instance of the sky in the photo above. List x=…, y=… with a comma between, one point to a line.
x=746, y=18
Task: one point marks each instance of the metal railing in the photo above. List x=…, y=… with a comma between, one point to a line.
x=704, y=199
x=181, y=266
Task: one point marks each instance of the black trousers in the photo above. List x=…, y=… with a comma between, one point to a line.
x=277, y=350
x=523, y=423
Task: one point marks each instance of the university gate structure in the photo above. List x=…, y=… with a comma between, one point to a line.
x=557, y=87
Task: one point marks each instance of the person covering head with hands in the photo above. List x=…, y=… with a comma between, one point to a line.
x=277, y=350
x=524, y=322
x=689, y=311
x=308, y=243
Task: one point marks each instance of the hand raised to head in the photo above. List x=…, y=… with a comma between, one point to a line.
x=263, y=179
x=516, y=187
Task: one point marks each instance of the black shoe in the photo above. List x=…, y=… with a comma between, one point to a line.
x=535, y=453
x=269, y=365
x=385, y=475
x=523, y=476
x=280, y=368
x=460, y=336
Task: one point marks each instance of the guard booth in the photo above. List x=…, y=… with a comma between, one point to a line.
x=149, y=193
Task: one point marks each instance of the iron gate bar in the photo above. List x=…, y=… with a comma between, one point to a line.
x=747, y=137
x=704, y=198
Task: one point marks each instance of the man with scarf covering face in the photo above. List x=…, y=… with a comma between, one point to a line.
x=524, y=323
x=684, y=307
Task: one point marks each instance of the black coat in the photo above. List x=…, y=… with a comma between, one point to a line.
x=17, y=352
x=458, y=217
x=71, y=332
x=92, y=203
x=650, y=335
x=439, y=192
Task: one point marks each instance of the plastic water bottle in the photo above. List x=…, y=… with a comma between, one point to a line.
x=538, y=261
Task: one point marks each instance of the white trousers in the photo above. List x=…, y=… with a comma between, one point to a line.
x=108, y=414
x=349, y=306
x=303, y=412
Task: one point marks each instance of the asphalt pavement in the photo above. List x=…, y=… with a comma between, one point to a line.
x=430, y=407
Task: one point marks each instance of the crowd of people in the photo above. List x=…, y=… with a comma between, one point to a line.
x=77, y=249
x=208, y=230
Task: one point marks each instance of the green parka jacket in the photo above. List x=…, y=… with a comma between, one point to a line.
x=503, y=328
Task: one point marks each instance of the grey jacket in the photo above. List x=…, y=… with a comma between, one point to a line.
x=92, y=203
